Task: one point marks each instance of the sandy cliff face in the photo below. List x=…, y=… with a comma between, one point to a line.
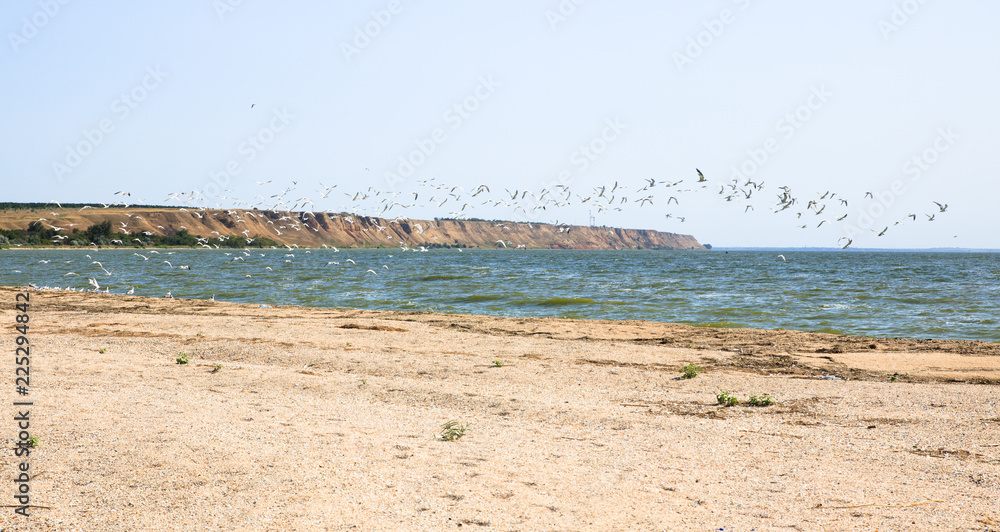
x=316, y=229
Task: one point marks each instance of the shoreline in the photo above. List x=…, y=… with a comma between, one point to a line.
x=773, y=343
x=312, y=418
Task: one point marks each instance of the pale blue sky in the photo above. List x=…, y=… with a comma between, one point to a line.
x=884, y=86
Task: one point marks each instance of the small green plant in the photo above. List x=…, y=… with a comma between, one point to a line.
x=182, y=358
x=727, y=399
x=32, y=442
x=103, y=350
x=452, y=430
x=690, y=371
x=893, y=378
x=760, y=400
x=218, y=367
x=497, y=363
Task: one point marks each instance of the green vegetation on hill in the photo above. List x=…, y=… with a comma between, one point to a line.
x=102, y=234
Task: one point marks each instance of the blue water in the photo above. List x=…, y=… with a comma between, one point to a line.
x=889, y=294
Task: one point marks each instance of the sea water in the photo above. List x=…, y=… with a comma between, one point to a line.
x=887, y=294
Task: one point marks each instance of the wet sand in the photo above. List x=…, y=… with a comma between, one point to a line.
x=289, y=418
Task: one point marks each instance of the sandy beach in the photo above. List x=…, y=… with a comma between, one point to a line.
x=289, y=418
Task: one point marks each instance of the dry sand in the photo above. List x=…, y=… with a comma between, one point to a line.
x=324, y=419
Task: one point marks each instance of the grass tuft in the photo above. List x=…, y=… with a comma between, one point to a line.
x=760, y=400
x=727, y=399
x=690, y=371
x=452, y=430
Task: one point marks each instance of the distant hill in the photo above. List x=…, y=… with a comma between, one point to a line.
x=316, y=229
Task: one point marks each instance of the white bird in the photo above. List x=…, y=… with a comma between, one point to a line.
x=371, y=271
x=942, y=207
x=169, y=295
x=131, y=291
x=782, y=257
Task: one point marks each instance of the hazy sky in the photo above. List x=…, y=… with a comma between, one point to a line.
x=893, y=97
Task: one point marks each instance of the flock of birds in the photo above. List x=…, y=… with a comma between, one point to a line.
x=299, y=211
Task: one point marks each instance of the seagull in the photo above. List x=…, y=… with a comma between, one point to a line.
x=169, y=295
x=942, y=207
x=782, y=258
x=701, y=176
x=131, y=291
x=371, y=271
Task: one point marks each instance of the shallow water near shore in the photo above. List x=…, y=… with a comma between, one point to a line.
x=888, y=294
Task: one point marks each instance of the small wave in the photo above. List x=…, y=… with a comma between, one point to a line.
x=481, y=297
x=441, y=277
x=561, y=301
